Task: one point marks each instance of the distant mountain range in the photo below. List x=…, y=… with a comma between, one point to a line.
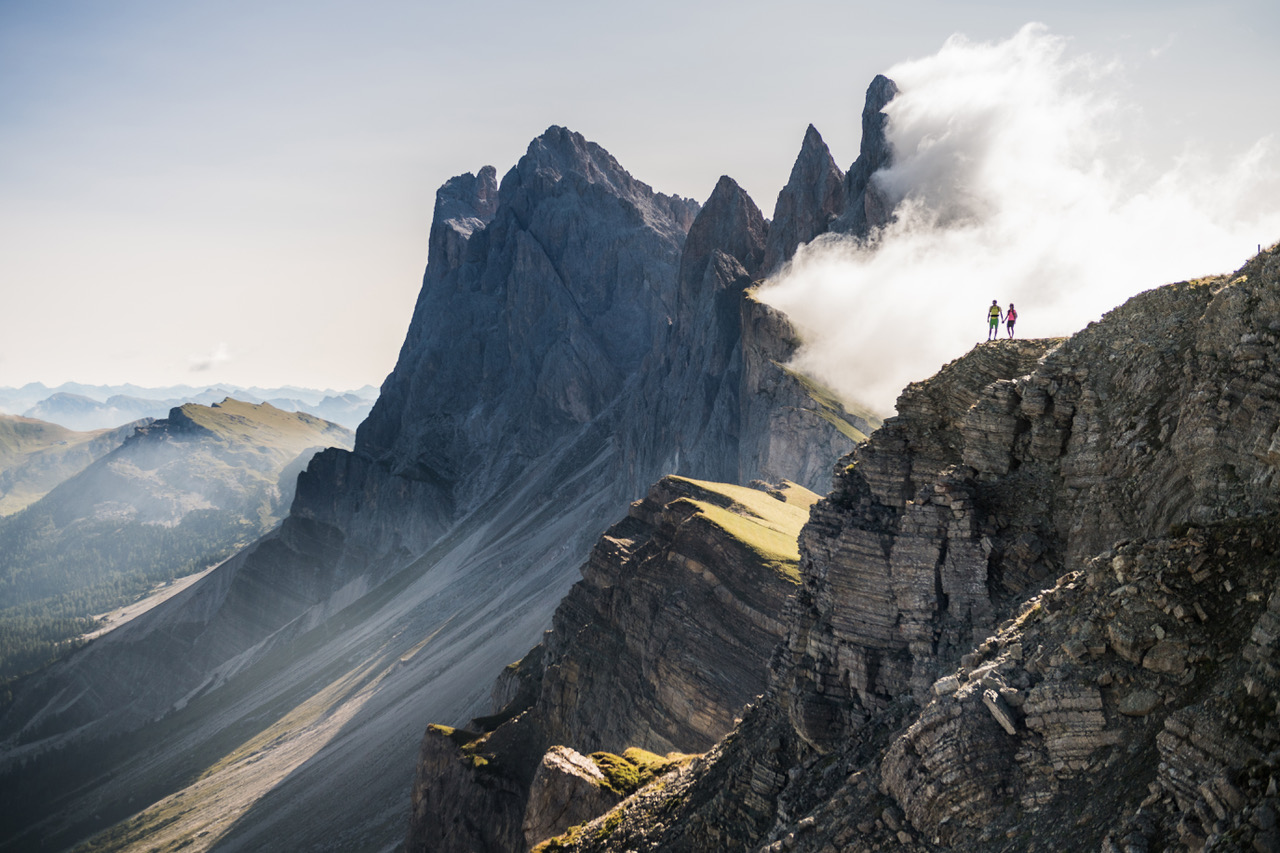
x=88, y=407
x=176, y=495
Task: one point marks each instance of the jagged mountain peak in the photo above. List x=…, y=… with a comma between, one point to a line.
x=867, y=207
x=729, y=222
x=562, y=161
x=813, y=197
x=813, y=152
x=563, y=150
x=881, y=91
x=820, y=198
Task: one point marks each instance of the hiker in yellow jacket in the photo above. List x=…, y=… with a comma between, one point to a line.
x=994, y=316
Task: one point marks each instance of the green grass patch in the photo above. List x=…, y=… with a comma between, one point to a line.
x=768, y=526
x=835, y=410
x=627, y=773
x=469, y=744
x=842, y=426
x=565, y=841
x=773, y=548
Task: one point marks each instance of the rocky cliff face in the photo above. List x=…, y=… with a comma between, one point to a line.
x=939, y=689
x=413, y=567
x=658, y=647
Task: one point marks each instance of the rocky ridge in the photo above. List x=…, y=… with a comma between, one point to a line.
x=660, y=644
x=1037, y=610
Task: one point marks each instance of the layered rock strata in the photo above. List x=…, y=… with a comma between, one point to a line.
x=930, y=695
x=659, y=646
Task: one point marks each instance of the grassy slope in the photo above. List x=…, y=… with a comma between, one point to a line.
x=35, y=456
x=766, y=525
x=835, y=411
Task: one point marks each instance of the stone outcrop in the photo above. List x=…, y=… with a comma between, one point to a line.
x=568, y=789
x=939, y=689
x=660, y=645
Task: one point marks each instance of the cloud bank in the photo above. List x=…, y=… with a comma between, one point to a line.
x=1012, y=181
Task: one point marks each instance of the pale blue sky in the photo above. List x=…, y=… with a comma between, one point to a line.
x=254, y=181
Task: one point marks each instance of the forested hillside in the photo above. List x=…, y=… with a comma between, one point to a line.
x=182, y=494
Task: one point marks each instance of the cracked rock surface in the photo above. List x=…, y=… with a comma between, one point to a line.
x=1040, y=610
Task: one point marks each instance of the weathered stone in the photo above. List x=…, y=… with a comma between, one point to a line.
x=946, y=685
x=1167, y=656
x=1000, y=711
x=1138, y=703
x=567, y=789
x=1128, y=644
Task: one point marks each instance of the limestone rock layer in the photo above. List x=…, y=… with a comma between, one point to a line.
x=660, y=645
x=1037, y=610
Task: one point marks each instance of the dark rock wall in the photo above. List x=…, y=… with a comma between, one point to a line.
x=1128, y=706
x=689, y=401
x=659, y=646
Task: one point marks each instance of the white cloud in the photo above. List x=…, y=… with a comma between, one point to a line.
x=1012, y=183
x=1157, y=52
x=201, y=363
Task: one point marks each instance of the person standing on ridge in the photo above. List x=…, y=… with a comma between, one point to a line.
x=994, y=316
x=1010, y=317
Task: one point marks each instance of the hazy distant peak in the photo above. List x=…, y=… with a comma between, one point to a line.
x=254, y=423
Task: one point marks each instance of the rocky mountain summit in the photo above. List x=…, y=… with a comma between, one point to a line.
x=536, y=395
x=1037, y=611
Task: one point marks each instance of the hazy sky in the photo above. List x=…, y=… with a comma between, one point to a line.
x=241, y=192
